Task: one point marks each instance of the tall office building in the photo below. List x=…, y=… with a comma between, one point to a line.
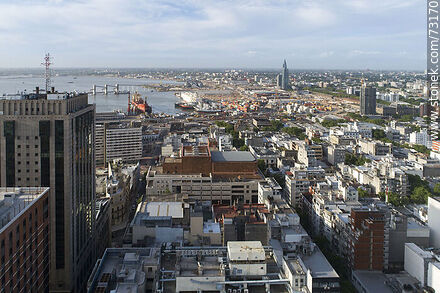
x=280, y=80
x=48, y=140
x=368, y=100
x=118, y=139
x=285, y=76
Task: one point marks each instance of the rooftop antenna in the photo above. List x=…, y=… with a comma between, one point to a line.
x=47, y=62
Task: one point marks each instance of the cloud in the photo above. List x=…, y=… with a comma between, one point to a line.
x=201, y=33
x=361, y=52
x=326, y=54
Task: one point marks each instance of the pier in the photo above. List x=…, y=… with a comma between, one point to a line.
x=117, y=88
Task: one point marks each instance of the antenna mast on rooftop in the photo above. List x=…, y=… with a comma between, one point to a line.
x=47, y=62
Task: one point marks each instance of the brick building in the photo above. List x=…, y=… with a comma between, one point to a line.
x=24, y=239
x=367, y=239
x=201, y=160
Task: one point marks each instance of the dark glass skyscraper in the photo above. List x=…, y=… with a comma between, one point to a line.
x=48, y=140
x=368, y=100
x=285, y=77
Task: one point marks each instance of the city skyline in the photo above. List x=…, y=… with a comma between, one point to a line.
x=377, y=35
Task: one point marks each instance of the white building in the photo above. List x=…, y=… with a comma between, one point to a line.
x=434, y=221
x=416, y=262
x=434, y=276
x=298, y=180
x=421, y=138
x=123, y=143
x=269, y=190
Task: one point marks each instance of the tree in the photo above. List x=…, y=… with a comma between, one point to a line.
x=397, y=200
x=420, y=195
x=378, y=134
x=362, y=193
x=261, y=165
x=280, y=178
x=244, y=148
x=351, y=159
x=331, y=123
x=416, y=181
x=294, y=131
x=437, y=189
x=406, y=118
x=238, y=142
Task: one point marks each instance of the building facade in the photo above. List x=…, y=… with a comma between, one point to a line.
x=368, y=100
x=24, y=238
x=48, y=140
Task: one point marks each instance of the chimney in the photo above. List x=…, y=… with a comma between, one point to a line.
x=37, y=90
x=52, y=90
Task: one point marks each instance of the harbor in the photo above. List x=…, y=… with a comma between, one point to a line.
x=161, y=101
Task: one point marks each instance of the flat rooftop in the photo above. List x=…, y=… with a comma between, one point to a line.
x=209, y=227
x=372, y=281
x=120, y=260
x=246, y=251
x=197, y=151
x=232, y=156
x=318, y=265
x=34, y=96
x=15, y=200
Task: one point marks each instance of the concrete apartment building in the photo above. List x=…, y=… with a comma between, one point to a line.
x=309, y=154
x=48, y=140
x=24, y=238
x=118, y=139
x=423, y=265
x=298, y=181
x=375, y=148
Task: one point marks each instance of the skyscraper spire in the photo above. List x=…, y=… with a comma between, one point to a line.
x=284, y=77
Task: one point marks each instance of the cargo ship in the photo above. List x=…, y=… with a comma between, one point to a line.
x=184, y=106
x=138, y=105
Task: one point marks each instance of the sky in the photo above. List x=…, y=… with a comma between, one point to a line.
x=309, y=34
